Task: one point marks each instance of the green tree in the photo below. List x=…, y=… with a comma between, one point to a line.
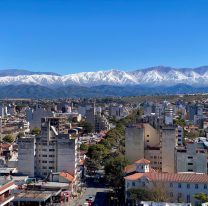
x=35, y=131
x=157, y=194
x=97, y=152
x=87, y=127
x=9, y=138
x=180, y=122
x=138, y=194
x=84, y=147
x=20, y=134
x=114, y=167
x=92, y=165
x=202, y=197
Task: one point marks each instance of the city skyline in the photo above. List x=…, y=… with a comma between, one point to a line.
x=79, y=36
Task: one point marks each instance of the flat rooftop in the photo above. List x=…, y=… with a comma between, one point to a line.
x=33, y=196
x=52, y=185
x=7, y=170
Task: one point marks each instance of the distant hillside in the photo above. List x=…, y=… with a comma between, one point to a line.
x=35, y=91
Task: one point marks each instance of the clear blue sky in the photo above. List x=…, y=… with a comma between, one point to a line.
x=68, y=36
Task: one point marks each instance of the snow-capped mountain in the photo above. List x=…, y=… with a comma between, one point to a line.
x=154, y=76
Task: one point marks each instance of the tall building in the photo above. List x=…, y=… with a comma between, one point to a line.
x=192, y=158
x=169, y=115
x=96, y=119
x=134, y=142
x=54, y=151
x=143, y=141
x=26, y=155
x=34, y=116
x=169, y=142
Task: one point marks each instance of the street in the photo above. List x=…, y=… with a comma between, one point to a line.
x=95, y=190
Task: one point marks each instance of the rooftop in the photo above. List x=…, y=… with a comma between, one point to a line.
x=142, y=161
x=33, y=196
x=170, y=177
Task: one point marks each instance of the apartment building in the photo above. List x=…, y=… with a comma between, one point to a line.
x=192, y=158
x=51, y=151
x=178, y=187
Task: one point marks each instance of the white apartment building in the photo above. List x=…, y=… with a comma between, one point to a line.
x=179, y=187
x=51, y=151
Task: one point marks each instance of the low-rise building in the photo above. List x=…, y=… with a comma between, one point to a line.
x=178, y=187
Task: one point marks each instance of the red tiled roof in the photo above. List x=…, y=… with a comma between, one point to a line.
x=142, y=161
x=130, y=168
x=170, y=177
x=67, y=176
x=7, y=185
x=4, y=145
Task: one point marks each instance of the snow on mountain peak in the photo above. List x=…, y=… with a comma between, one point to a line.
x=160, y=75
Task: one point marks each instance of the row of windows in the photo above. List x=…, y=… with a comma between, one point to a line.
x=188, y=186
x=50, y=168
x=47, y=155
x=155, y=157
x=46, y=161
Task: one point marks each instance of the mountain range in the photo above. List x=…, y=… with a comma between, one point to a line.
x=165, y=80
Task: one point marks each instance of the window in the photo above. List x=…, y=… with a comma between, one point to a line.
x=190, y=170
x=133, y=184
x=190, y=157
x=51, y=161
x=171, y=194
x=171, y=184
x=51, y=155
x=188, y=186
x=190, y=163
x=179, y=185
x=51, y=150
x=44, y=155
x=196, y=186
x=205, y=186
x=127, y=184
x=44, y=161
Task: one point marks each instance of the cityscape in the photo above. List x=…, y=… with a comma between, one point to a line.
x=104, y=151
x=103, y=103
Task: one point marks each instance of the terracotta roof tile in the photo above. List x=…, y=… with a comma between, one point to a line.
x=168, y=177
x=142, y=161
x=67, y=176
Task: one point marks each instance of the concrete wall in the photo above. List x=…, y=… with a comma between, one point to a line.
x=192, y=159
x=66, y=155
x=169, y=141
x=26, y=156
x=152, y=136
x=134, y=143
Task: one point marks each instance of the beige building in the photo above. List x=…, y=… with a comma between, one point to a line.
x=157, y=145
x=168, y=149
